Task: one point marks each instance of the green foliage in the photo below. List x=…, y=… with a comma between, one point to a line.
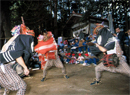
x=39, y=13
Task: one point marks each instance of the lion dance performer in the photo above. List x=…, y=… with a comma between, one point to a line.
x=22, y=41
x=113, y=59
x=48, y=47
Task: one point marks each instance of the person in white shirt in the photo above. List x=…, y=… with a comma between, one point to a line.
x=80, y=59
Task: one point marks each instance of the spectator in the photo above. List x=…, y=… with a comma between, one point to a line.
x=121, y=36
x=76, y=44
x=87, y=61
x=61, y=46
x=73, y=47
x=80, y=59
x=84, y=45
x=73, y=59
x=67, y=58
x=93, y=40
x=72, y=40
x=128, y=46
x=65, y=42
x=65, y=48
x=90, y=59
x=80, y=46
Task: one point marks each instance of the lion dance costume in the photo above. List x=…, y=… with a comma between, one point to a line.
x=48, y=48
x=21, y=42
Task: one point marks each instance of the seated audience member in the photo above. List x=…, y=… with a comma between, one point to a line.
x=87, y=37
x=65, y=42
x=69, y=47
x=65, y=48
x=76, y=44
x=80, y=59
x=128, y=47
x=61, y=45
x=90, y=44
x=72, y=40
x=73, y=47
x=84, y=45
x=80, y=46
x=67, y=58
x=73, y=59
x=90, y=60
x=121, y=37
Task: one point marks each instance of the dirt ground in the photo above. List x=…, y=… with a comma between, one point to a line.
x=77, y=84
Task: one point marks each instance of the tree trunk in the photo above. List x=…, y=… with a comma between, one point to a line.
x=55, y=19
x=5, y=24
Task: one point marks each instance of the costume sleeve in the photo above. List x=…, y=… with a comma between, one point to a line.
x=9, y=56
x=110, y=46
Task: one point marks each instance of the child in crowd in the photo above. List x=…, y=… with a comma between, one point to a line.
x=61, y=45
x=80, y=59
x=87, y=61
x=93, y=40
x=67, y=58
x=73, y=47
x=65, y=48
x=90, y=60
x=73, y=59
x=65, y=42
x=80, y=46
x=84, y=45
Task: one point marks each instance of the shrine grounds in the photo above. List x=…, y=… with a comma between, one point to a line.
x=77, y=84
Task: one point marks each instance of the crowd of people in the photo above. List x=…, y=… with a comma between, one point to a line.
x=76, y=51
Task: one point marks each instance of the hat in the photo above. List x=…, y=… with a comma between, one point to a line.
x=69, y=53
x=79, y=53
x=86, y=54
x=66, y=54
x=73, y=54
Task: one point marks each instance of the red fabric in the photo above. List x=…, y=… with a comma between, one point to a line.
x=69, y=53
x=66, y=54
x=26, y=31
x=45, y=46
x=86, y=54
x=51, y=55
x=43, y=62
x=106, y=60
